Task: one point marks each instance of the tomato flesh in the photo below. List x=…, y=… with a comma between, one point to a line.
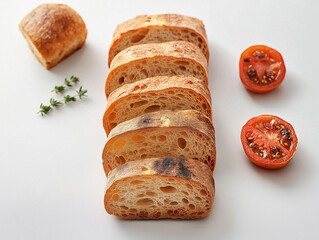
x=262, y=68
x=269, y=141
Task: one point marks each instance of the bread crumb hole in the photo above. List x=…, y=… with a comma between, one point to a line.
x=186, y=193
x=204, y=106
x=191, y=207
x=121, y=80
x=136, y=182
x=119, y=144
x=181, y=143
x=143, y=156
x=151, y=194
x=122, y=159
x=198, y=198
x=203, y=192
x=138, y=138
x=162, y=98
x=174, y=203
x=181, y=63
x=124, y=207
x=168, y=189
x=138, y=104
x=144, y=86
x=184, y=200
x=144, y=169
x=161, y=138
x=112, y=116
x=183, y=68
x=140, y=195
x=133, y=210
x=152, y=108
x=189, y=186
x=136, y=88
x=124, y=215
x=137, y=38
x=145, y=73
x=144, y=202
x=115, y=197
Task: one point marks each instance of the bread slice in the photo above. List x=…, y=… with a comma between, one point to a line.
x=157, y=29
x=154, y=94
x=166, y=133
x=160, y=188
x=53, y=32
x=156, y=59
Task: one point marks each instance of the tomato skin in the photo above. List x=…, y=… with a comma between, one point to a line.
x=248, y=83
x=264, y=162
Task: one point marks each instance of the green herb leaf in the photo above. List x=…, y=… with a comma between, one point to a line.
x=81, y=93
x=45, y=109
x=67, y=83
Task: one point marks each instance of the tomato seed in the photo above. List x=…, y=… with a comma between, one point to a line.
x=246, y=59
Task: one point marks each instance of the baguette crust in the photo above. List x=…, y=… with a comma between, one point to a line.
x=183, y=170
x=117, y=149
x=167, y=118
x=152, y=86
x=178, y=51
x=139, y=27
x=53, y=32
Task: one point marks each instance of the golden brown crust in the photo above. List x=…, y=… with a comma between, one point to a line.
x=163, y=20
x=167, y=118
x=55, y=31
x=186, y=169
x=155, y=85
x=179, y=50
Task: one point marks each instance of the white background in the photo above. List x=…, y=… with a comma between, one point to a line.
x=51, y=176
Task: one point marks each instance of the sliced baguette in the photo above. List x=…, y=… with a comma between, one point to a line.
x=154, y=94
x=166, y=133
x=156, y=59
x=53, y=32
x=157, y=29
x=160, y=188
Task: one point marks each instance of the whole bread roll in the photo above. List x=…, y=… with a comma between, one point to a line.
x=53, y=32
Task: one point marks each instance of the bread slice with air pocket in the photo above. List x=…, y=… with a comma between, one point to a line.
x=166, y=133
x=157, y=29
x=160, y=188
x=154, y=94
x=156, y=59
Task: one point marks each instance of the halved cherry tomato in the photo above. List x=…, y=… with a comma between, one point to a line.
x=261, y=68
x=269, y=141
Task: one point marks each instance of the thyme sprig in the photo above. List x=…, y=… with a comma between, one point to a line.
x=67, y=83
x=45, y=109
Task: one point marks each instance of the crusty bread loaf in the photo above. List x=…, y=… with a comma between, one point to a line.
x=53, y=32
x=160, y=188
x=156, y=59
x=166, y=133
x=157, y=29
x=154, y=94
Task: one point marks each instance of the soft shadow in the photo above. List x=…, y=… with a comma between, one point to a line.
x=296, y=172
x=283, y=95
x=216, y=221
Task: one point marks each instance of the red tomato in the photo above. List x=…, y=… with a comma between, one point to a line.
x=261, y=68
x=269, y=141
